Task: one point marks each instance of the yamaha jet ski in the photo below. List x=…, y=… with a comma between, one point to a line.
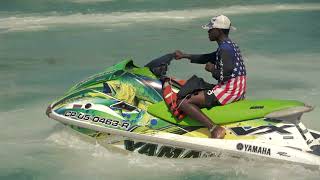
x=126, y=101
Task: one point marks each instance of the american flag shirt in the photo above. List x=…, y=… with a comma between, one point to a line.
x=231, y=87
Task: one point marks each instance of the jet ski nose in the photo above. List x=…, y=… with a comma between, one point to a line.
x=49, y=110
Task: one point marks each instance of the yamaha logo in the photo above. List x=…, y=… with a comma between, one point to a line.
x=160, y=150
x=254, y=149
x=240, y=146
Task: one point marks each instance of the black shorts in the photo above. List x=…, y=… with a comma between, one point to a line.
x=210, y=99
x=195, y=85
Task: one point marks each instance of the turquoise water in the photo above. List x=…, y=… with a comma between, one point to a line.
x=47, y=46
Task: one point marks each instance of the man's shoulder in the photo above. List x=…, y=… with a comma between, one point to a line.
x=226, y=47
x=228, y=44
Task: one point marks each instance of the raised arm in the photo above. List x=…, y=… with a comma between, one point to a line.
x=196, y=58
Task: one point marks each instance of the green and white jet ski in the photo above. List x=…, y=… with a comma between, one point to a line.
x=123, y=108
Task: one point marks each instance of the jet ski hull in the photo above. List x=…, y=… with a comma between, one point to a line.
x=168, y=145
x=116, y=103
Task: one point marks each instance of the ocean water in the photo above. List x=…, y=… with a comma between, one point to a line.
x=46, y=46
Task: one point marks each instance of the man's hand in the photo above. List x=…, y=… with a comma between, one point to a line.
x=179, y=55
x=209, y=67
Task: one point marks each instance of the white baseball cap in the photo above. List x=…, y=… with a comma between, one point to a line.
x=219, y=22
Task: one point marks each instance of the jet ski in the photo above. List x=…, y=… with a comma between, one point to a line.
x=123, y=107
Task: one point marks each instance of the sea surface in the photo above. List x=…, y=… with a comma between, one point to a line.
x=46, y=46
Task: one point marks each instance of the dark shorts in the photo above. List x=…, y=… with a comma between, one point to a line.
x=195, y=85
x=210, y=99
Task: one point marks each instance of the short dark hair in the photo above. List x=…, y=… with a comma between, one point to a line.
x=225, y=31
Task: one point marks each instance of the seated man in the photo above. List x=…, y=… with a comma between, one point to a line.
x=225, y=64
x=227, y=67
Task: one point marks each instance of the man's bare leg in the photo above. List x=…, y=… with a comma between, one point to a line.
x=191, y=107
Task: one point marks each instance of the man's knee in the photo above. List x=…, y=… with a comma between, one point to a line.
x=183, y=102
x=197, y=98
x=189, y=100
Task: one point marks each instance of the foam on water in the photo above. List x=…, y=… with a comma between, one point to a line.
x=26, y=22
